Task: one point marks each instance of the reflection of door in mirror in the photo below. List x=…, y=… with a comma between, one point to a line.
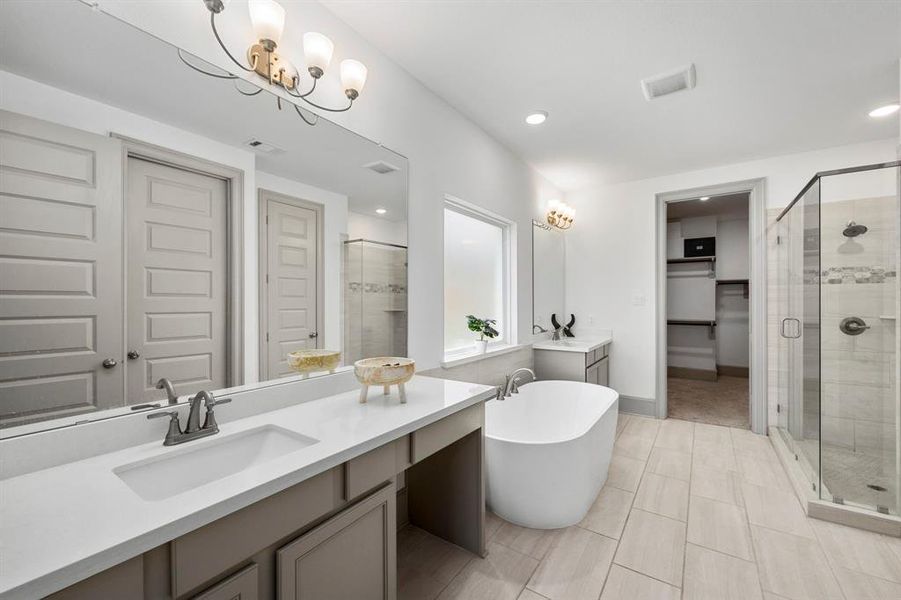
x=60, y=270
x=176, y=232
x=290, y=234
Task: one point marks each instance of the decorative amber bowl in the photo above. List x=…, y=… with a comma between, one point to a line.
x=384, y=371
x=308, y=361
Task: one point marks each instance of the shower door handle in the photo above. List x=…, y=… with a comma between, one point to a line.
x=797, y=328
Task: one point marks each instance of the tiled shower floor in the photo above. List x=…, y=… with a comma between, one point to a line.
x=848, y=474
x=689, y=510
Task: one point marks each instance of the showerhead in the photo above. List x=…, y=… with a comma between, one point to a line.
x=854, y=230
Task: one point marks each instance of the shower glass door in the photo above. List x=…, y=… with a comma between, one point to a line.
x=799, y=343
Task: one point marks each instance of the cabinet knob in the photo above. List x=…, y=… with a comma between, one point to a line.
x=133, y=354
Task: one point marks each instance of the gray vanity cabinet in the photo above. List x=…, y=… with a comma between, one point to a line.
x=352, y=555
x=330, y=537
x=590, y=367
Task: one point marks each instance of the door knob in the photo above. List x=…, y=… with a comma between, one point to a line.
x=109, y=363
x=313, y=335
x=133, y=354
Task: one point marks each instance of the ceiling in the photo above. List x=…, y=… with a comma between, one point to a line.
x=773, y=77
x=52, y=49
x=725, y=206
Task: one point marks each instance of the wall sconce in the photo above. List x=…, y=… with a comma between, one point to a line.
x=560, y=215
x=268, y=20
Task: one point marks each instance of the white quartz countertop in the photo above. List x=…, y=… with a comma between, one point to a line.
x=63, y=524
x=577, y=344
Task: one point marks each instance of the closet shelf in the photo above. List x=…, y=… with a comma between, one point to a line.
x=691, y=322
x=694, y=259
x=732, y=281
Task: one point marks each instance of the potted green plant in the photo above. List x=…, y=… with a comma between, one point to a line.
x=485, y=329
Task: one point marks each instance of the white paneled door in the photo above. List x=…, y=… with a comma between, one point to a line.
x=177, y=279
x=290, y=281
x=60, y=270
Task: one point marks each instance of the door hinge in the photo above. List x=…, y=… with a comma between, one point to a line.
x=778, y=237
x=778, y=408
x=267, y=277
x=267, y=336
x=267, y=219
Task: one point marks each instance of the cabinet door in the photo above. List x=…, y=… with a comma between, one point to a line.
x=591, y=374
x=603, y=376
x=240, y=586
x=352, y=555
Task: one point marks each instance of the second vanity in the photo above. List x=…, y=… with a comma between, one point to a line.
x=574, y=359
x=295, y=503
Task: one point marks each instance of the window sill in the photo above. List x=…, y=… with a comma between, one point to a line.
x=462, y=358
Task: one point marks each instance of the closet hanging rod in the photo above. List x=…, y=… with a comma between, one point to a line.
x=694, y=259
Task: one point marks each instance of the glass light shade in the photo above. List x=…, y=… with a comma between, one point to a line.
x=554, y=206
x=267, y=18
x=318, y=50
x=353, y=75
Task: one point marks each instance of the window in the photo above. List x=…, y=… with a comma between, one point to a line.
x=476, y=275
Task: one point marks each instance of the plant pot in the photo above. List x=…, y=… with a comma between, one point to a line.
x=481, y=346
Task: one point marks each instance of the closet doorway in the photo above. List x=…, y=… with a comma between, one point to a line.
x=710, y=302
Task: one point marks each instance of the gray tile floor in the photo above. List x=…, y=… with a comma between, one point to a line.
x=689, y=511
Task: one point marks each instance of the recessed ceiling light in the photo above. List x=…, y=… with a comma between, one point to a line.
x=381, y=211
x=884, y=111
x=537, y=118
x=704, y=198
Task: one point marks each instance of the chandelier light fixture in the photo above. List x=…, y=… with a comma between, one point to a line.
x=268, y=20
x=560, y=215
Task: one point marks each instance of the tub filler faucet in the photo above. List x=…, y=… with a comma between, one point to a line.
x=511, y=383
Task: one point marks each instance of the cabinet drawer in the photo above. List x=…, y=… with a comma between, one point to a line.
x=434, y=437
x=200, y=556
x=243, y=585
x=366, y=471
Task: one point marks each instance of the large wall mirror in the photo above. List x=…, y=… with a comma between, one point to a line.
x=158, y=223
x=548, y=269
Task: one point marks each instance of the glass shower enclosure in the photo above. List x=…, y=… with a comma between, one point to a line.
x=836, y=294
x=375, y=300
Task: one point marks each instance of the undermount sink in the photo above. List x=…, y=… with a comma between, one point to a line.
x=187, y=468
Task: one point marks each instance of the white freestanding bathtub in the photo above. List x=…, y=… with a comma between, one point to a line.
x=547, y=451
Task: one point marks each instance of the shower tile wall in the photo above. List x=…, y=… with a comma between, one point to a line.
x=375, y=301
x=859, y=278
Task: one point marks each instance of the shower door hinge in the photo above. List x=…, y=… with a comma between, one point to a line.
x=882, y=509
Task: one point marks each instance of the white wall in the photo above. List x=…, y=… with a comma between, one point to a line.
x=448, y=153
x=360, y=226
x=611, y=252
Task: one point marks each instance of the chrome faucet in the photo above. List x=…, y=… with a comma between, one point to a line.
x=193, y=429
x=511, y=385
x=539, y=328
x=165, y=384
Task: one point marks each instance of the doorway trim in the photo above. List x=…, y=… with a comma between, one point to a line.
x=263, y=194
x=758, y=288
x=234, y=180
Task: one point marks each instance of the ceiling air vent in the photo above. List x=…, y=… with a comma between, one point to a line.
x=381, y=167
x=677, y=80
x=265, y=147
